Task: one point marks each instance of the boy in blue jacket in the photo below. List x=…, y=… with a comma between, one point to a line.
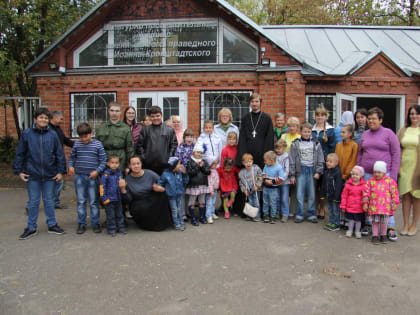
x=273, y=177
x=173, y=179
x=40, y=162
x=111, y=196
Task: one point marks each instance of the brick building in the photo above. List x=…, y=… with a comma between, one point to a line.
x=193, y=57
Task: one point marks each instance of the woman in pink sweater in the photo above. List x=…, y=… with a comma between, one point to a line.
x=351, y=201
x=380, y=200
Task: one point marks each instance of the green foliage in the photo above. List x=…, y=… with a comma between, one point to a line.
x=26, y=29
x=7, y=149
x=341, y=12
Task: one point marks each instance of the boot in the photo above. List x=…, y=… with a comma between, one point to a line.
x=203, y=215
x=192, y=215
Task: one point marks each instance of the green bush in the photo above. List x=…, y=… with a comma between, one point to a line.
x=7, y=149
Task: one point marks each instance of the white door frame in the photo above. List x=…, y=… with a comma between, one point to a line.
x=400, y=110
x=157, y=99
x=347, y=97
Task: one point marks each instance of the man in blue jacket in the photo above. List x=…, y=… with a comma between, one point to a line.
x=40, y=162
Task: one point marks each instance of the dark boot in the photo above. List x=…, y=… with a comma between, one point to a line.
x=203, y=215
x=192, y=215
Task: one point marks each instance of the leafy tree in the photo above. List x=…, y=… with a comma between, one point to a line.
x=342, y=12
x=26, y=29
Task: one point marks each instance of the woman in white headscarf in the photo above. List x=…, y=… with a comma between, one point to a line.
x=346, y=119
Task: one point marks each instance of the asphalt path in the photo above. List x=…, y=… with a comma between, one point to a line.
x=230, y=267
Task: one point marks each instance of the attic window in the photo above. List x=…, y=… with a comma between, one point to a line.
x=95, y=54
x=200, y=41
x=236, y=49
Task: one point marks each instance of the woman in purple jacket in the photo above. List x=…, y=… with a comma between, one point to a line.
x=379, y=143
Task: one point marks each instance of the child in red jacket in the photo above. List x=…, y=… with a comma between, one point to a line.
x=228, y=184
x=351, y=201
x=231, y=149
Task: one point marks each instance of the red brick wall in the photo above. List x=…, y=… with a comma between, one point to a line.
x=55, y=91
x=7, y=122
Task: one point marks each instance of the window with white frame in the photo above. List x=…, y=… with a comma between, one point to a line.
x=328, y=101
x=200, y=41
x=90, y=108
x=213, y=101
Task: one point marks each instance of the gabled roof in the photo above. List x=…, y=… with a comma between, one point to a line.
x=342, y=50
x=221, y=3
x=321, y=49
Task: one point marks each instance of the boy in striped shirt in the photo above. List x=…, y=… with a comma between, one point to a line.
x=87, y=161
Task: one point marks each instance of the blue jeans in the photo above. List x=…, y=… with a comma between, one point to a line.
x=114, y=217
x=334, y=210
x=283, y=200
x=270, y=196
x=305, y=185
x=252, y=199
x=177, y=213
x=87, y=190
x=210, y=205
x=58, y=188
x=35, y=189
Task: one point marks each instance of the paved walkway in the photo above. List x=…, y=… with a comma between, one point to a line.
x=230, y=267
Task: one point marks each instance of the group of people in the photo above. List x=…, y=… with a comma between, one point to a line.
x=164, y=175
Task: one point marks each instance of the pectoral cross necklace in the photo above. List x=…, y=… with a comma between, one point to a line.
x=254, y=133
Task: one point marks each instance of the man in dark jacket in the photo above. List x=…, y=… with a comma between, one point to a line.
x=57, y=118
x=157, y=143
x=40, y=162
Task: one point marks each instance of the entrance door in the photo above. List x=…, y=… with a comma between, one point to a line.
x=390, y=107
x=171, y=103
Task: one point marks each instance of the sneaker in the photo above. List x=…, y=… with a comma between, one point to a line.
x=27, y=234
x=313, y=220
x=383, y=239
x=60, y=206
x=349, y=233
x=367, y=230
x=298, y=220
x=215, y=217
x=113, y=234
x=122, y=231
x=210, y=220
x=331, y=227
x=273, y=221
x=291, y=215
x=392, y=235
x=320, y=217
x=55, y=230
x=266, y=219
x=80, y=229
x=284, y=219
x=358, y=234
x=227, y=215
x=128, y=215
x=375, y=240
x=182, y=228
x=256, y=219
x=97, y=228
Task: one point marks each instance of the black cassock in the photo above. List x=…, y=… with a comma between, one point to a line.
x=261, y=143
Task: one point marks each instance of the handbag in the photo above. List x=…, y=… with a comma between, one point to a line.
x=249, y=209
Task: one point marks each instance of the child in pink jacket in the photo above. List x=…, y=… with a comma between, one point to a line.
x=351, y=201
x=380, y=200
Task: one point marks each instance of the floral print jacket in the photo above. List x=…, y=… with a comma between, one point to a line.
x=381, y=195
